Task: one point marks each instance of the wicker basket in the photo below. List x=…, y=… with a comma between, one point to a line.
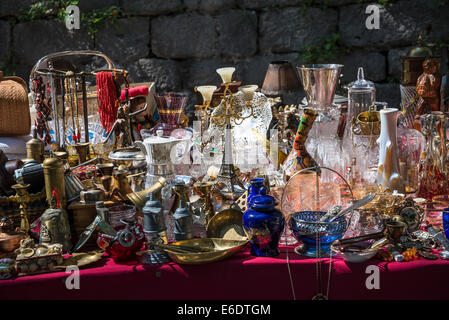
x=14, y=111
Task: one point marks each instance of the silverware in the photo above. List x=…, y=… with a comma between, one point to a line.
x=360, y=203
x=330, y=213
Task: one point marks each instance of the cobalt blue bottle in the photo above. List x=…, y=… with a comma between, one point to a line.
x=263, y=224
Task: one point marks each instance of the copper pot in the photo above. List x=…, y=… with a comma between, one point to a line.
x=10, y=242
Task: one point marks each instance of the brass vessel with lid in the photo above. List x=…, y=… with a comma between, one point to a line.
x=35, y=148
x=54, y=179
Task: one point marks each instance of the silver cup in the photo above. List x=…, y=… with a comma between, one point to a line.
x=319, y=81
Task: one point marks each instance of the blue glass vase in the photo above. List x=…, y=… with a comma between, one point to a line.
x=256, y=188
x=263, y=225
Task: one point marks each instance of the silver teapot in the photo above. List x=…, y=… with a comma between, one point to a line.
x=159, y=151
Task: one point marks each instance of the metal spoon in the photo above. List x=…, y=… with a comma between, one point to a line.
x=330, y=213
x=359, y=203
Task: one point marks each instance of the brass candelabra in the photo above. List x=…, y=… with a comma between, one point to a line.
x=230, y=112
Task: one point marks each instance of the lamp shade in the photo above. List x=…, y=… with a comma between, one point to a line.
x=280, y=78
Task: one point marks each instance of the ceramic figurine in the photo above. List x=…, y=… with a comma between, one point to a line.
x=263, y=225
x=428, y=87
x=388, y=174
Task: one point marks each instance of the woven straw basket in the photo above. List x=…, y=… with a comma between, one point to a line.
x=14, y=110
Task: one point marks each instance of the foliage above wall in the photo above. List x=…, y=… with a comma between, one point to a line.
x=56, y=9
x=323, y=50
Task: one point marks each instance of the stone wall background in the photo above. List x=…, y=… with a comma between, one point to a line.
x=180, y=43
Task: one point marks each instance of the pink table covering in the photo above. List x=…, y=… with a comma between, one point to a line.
x=240, y=277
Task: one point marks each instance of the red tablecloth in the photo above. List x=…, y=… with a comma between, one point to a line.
x=240, y=277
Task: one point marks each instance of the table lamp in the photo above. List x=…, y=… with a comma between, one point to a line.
x=281, y=78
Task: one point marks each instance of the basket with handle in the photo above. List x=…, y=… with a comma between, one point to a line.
x=14, y=111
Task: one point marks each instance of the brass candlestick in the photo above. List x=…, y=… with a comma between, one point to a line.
x=82, y=149
x=23, y=198
x=203, y=189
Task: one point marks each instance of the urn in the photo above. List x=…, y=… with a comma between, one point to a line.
x=263, y=225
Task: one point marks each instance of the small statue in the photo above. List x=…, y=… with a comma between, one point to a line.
x=120, y=186
x=55, y=226
x=122, y=125
x=428, y=87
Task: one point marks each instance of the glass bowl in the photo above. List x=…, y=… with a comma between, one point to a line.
x=309, y=231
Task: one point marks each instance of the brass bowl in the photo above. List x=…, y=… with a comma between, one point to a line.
x=221, y=249
x=367, y=123
x=227, y=224
x=10, y=242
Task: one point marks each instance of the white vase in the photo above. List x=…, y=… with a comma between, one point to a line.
x=388, y=171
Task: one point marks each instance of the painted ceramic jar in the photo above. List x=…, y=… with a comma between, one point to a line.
x=256, y=188
x=263, y=225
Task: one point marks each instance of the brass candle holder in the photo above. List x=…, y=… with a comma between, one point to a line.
x=229, y=113
x=23, y=198
x=204, y=189
x=83, y=150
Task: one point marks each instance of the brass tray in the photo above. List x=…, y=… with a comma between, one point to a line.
x=81, y=259
x=227, y=224
x=221, y=249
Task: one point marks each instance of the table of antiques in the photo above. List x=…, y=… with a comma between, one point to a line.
x=108, y=190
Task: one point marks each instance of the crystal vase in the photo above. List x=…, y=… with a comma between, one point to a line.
x=169, y=107
x=434, y=164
